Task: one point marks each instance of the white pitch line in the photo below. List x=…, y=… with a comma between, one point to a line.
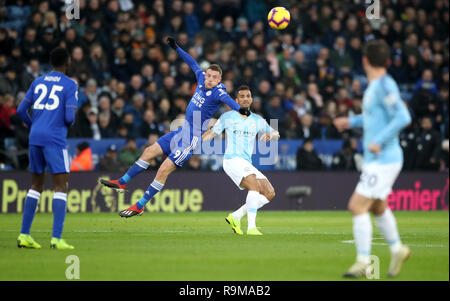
x=411, y=245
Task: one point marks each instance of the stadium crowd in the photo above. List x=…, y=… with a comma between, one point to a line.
x=131, y=85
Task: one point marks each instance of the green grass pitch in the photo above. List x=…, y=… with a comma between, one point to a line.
x=296, y=245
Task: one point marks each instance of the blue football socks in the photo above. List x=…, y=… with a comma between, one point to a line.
x=152, y=190
x=29, y=210
x=59, y=213
x=138, y=167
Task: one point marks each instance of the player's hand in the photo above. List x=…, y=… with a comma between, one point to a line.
x=271, y=136
x=265, y=138
x=171, y=42
x=244, y=111
x=374, y=148
x=341, y=123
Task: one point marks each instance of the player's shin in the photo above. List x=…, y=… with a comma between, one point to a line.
x=252, y=208
x=29, y=210
x=362, y=233
x=59, y=213
x=138, y=167
x=152, y=190
x=388, y=227
x=242, y=211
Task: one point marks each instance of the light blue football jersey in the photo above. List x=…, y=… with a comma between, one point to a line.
x=383, y=116
x=240, y=133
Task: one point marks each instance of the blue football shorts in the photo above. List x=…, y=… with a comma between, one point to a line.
x=56, y=159
x=179, y=146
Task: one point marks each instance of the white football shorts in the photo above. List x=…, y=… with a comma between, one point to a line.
x=376, y=180
x=238, y=168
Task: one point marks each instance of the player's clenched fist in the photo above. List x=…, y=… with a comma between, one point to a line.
x=171, y=42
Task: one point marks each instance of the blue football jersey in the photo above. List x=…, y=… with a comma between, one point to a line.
x=204, y=102
x=49, y=96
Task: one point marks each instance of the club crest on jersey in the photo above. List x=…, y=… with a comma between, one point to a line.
x=208, y=93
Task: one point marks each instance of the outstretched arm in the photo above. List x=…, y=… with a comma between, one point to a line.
x=269, y=132
x=185, y=56
x=225, y=98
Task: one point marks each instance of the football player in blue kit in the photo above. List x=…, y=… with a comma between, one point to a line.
x=53, y=101
x=180, y=144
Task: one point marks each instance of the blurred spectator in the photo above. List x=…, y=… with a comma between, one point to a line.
x=136, y=109
x=7, y=110
x=426, y=83
x=314, y=98
x=129, y=153
x=90, y=93
x=149, y=125
x=428, y=147
x=103, y=123
x=8, y=82
x=339, y=56
x=307, y=158
x=79, y=68
x=275, y=110
x=444, y=156
x=308, y=129
x=92, y=117
x=105, y=109
x=345, y=159
x=81, y=126
x=28, y=75
x=110, y=162
x=97, y=63
x=83, y=158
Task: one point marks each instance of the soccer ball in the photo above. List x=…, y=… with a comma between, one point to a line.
x=278, y=18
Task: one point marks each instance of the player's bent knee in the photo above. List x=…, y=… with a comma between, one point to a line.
x=353, y=208
x=270, y=194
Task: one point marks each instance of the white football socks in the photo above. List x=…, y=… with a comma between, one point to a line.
x=362, y=232
x=252, y=208
x=388, y=227
x=242, y=211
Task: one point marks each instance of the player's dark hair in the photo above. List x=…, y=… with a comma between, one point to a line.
x=377, y=52
x=242, y=88
x=215, y=67
x=58, y=57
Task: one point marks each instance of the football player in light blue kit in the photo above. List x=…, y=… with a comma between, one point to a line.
x=384, y=116
x=53, y=99
x=180, y=144
x=241, y=131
